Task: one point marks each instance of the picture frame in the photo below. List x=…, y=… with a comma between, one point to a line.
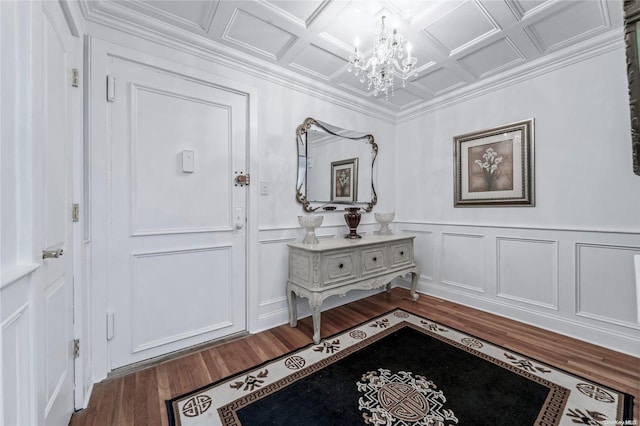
x=495, y=167
x=344, y=181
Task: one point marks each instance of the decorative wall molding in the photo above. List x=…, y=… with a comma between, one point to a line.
x=607, y=287
x=524, y=227
x=607, y=313
x=477, y=259
x=16, y=273
x=523, y=273
x=621, y=340
x=609, y=41
x=214, y=52
x=428, y=237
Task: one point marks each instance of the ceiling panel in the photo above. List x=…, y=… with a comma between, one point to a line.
x=458, y=43
x=492, y=58
x=470, y=22
x=302, y=12
x=257, y=35
x=439, y=81
x=319, y=62
x=577, y=19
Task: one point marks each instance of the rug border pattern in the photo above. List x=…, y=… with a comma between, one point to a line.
x=554, y=411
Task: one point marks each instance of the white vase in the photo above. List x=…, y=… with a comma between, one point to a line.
x=384, y=219
x=310, y=223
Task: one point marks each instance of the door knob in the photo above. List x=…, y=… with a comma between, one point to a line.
x=52, y=254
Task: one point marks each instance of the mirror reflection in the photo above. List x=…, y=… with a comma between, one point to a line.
x=335, y=167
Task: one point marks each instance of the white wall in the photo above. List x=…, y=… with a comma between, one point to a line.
x=565, y=264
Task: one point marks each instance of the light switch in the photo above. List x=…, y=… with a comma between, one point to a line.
x=264, y=187
x=188, y=161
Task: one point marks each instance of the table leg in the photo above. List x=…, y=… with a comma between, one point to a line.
x=314, y=304
x=414, y=285
x=293, y=307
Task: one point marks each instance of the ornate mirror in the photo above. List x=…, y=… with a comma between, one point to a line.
x=335, y=167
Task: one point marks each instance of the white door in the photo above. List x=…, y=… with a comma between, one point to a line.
x=177, y=239
x=54, y=144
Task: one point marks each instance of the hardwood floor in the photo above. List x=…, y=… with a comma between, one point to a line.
x=139, y=398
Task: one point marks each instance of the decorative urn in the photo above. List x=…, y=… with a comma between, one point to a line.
x=352, y=217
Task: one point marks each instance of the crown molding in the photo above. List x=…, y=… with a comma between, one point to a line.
x=116, y=17
x=609, y=41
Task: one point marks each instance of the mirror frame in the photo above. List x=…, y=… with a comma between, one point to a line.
x=631, y=20
x=301, y=131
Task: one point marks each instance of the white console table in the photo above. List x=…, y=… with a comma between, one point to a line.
x=335, y=266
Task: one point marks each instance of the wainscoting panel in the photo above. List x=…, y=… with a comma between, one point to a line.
x=577, y=283
x=463, y=261
x=527, y=271
x=274, y=258
x=18, y=355
x=424, y=244
x=179, y=294
x=603, y=277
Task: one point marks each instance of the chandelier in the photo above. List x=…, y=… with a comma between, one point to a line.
x=386, y=60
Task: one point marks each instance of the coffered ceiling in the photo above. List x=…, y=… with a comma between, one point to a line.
x=460, y=45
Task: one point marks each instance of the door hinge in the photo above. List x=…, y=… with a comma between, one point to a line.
x=75, y=77
x=76, y=348
x=75, y=212
x=110, y=325
x=111, y=88
x=242, y=179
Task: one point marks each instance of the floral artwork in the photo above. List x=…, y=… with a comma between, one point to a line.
x=493, y=170
x=495, y=166
x=344, y=181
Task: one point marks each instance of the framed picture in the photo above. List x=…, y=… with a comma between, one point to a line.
x=344, y=181
x=495, y=167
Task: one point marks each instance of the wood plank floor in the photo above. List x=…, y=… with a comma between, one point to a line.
x=139, y=398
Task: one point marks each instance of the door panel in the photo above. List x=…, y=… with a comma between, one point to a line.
x=177, y=260
x=54, y=146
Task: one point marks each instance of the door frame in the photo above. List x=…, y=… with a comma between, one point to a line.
x=97, y=131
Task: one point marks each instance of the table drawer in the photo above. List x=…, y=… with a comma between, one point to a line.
x=373, y=261
x=340, y=267
x=401, y=254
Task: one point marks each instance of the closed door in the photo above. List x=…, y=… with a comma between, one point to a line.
x=53, y=143
x=177, y=243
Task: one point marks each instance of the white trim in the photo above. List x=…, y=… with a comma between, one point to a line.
x=212, y=51
x=16, y=273
x=609, y=41
x=523, y=227
x=628, y=343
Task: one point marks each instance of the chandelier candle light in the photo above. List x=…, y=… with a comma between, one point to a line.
x=386, y=60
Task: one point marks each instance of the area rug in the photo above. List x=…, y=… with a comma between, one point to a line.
x=402, y=369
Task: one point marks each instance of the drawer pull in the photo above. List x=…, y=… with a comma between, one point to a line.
x=341, y=265
x=375, y=259
x=402, y=253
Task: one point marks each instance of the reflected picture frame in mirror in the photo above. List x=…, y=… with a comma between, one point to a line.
x=333, y=167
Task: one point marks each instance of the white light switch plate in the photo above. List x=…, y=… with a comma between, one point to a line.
x=188, y=161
